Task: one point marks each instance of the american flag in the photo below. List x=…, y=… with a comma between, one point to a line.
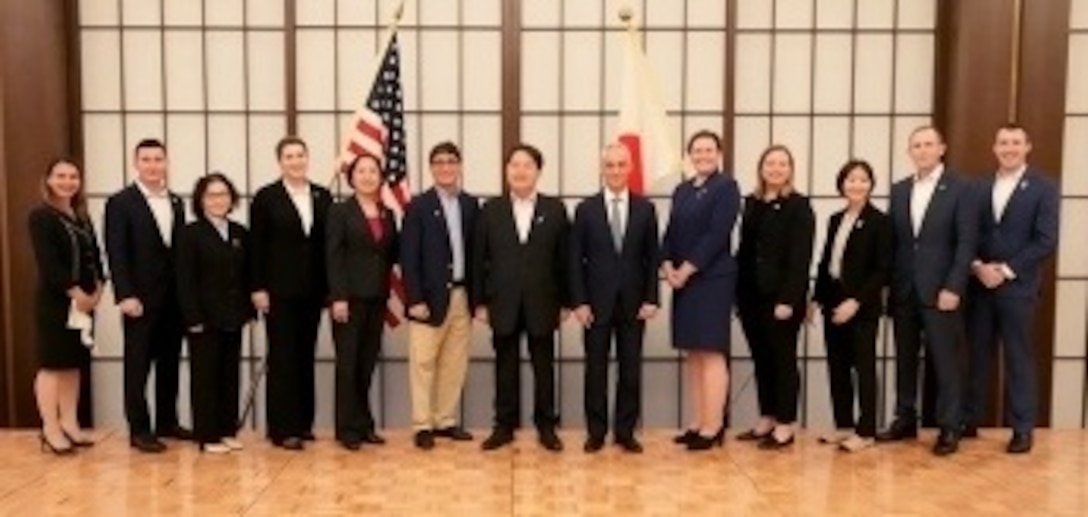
x=377, y=129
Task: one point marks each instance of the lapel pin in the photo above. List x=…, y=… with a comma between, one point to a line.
x=437, y=213
x=777, y=206
x=539, y=219
x=1023, y=184
x=859, y=224
x=942, y=186
x=235, y=243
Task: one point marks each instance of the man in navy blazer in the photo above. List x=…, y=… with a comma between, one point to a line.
x=614, y=288
x=436, y=246
x=934, y=228
x=1018, y=231
x=143, y=222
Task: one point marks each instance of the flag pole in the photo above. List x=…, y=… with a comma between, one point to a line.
x=375, y=67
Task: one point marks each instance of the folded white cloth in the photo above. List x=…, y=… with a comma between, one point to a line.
x=83, y=322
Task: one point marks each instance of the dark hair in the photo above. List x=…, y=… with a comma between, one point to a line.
x=1013, y=126
x=919, y=129
x=761, y=187
x=149, y=143
x=79, y=200
x=289, y=140
x=446, y=147
x=201, y=188
x=530, y=150
x=349, y=171
x=704, y=133
x=855, y=163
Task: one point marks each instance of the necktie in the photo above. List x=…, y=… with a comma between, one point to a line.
x=614, y=224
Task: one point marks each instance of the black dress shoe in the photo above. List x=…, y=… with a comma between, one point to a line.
x=770, y=443
x=373, y=438
x=425, y=439
x=455, y=433
x=1020, y=443
x=292, y=443
x=178, y=433
x=630, y=444
x=594, y=444
x=948, y=442
x=549, y=440
x=702, y=443
x=48, y=446
x=686, y=437
x=969, y=431
x=352, y=444
x=899, y=430
x=147, y=443
x=308, y=437
x=499, y=438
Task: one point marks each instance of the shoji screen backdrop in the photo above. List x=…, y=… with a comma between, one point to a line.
x=831, y=79
x=1071, y=339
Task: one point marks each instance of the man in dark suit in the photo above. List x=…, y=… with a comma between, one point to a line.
x=142, y=223
x=1018, y=231
x=934, y=229
x=287, y=236
x=614, y=288
x=520, y=281
x=436, y=244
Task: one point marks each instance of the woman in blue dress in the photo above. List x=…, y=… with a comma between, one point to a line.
x=698, y=264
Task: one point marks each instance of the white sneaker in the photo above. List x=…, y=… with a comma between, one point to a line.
x=835, y=437
x=234, y=443
x=856, y=443
x=215, y=448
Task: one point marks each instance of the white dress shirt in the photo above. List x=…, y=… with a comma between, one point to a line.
x=838, y=247
x=1004, y=187
x=161, y=209
x=304, y=204
x=451, y=208
x=524, y=208
x=921, y=194
x=624, y=198
x=222, y=226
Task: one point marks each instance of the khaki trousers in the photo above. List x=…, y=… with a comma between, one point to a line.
x=437, y=362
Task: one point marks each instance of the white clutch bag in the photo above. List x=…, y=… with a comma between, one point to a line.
x=83, y=322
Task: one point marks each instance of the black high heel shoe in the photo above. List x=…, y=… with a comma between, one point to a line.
x=47, y=446
x=770, y=443
x=686, y=438
x=78, y=443
x=702, y=443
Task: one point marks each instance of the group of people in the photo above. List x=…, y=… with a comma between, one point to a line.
x=946, y=251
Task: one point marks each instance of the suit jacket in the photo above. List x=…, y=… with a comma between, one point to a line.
x=866, y=263
x=508, y=274
x=213, y=276
x=1026, y=234
x=358, y=263
x=775, y=253
x=426, y=257
x=608, y=280
x=939, y=257
x=141, y=264
x=286, y=261
x=700, y=228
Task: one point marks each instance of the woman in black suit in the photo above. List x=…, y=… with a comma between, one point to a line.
x=361, y=246
x=854, y=268
x=69, y=287
x=212, y=277
x=774, y=256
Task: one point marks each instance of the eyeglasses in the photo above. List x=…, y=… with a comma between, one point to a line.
x=445, y=161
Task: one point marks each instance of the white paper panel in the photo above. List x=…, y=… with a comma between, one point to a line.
x=914, y=73
x=834, y=14
x=264, y=13
x=316, y=69
x=1076, y=100
x=580, y=167
x=918, y=14
x=873, y=74
x=540, y=13
x=481, y=150
x=438, y=12
x=482, y=12
x=793, y=73
x=705, y=13
x=1075, y=158
x=543, y=132
x=353, y=12
x=705, y=82
x=101, y=69
x=104, y=154
x=439, y=53
x=229, y=146
x=1070, y=316
x=753, y=81
x=833, y=72
x=481, y=79
x=582, y=70
x=142, y=62
x=539, y=71
x=793, y=14
x=754, y=14
x=316, y=12
x=830, y=150
x=264, y=132
x=579, y=13
x=140, y=12
x=793, y=132
x=266, y=71
x=876, y=14
x=99, y=12
x=224, y=13
x=1067, y=398
x=872, y=141
x=184, y=70
x=182, y=12
x=1073, y=260
x=226, y=71
x=662, y=49
x=319, y=132
x=187, y=151
x=753, y=134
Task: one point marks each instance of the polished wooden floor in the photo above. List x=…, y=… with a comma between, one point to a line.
x=458, y=479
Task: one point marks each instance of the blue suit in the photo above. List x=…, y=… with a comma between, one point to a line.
x=937, y=258
x=1023, y=238
x=427, y=257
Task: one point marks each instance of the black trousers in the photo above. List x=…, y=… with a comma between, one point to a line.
x=773, y=344
x=152, y=340
x=214, y=357
x=508, y=377
x=358, y=343
x=291, y=326
x=916, y=323
x=628, y=333
x=851, y=351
